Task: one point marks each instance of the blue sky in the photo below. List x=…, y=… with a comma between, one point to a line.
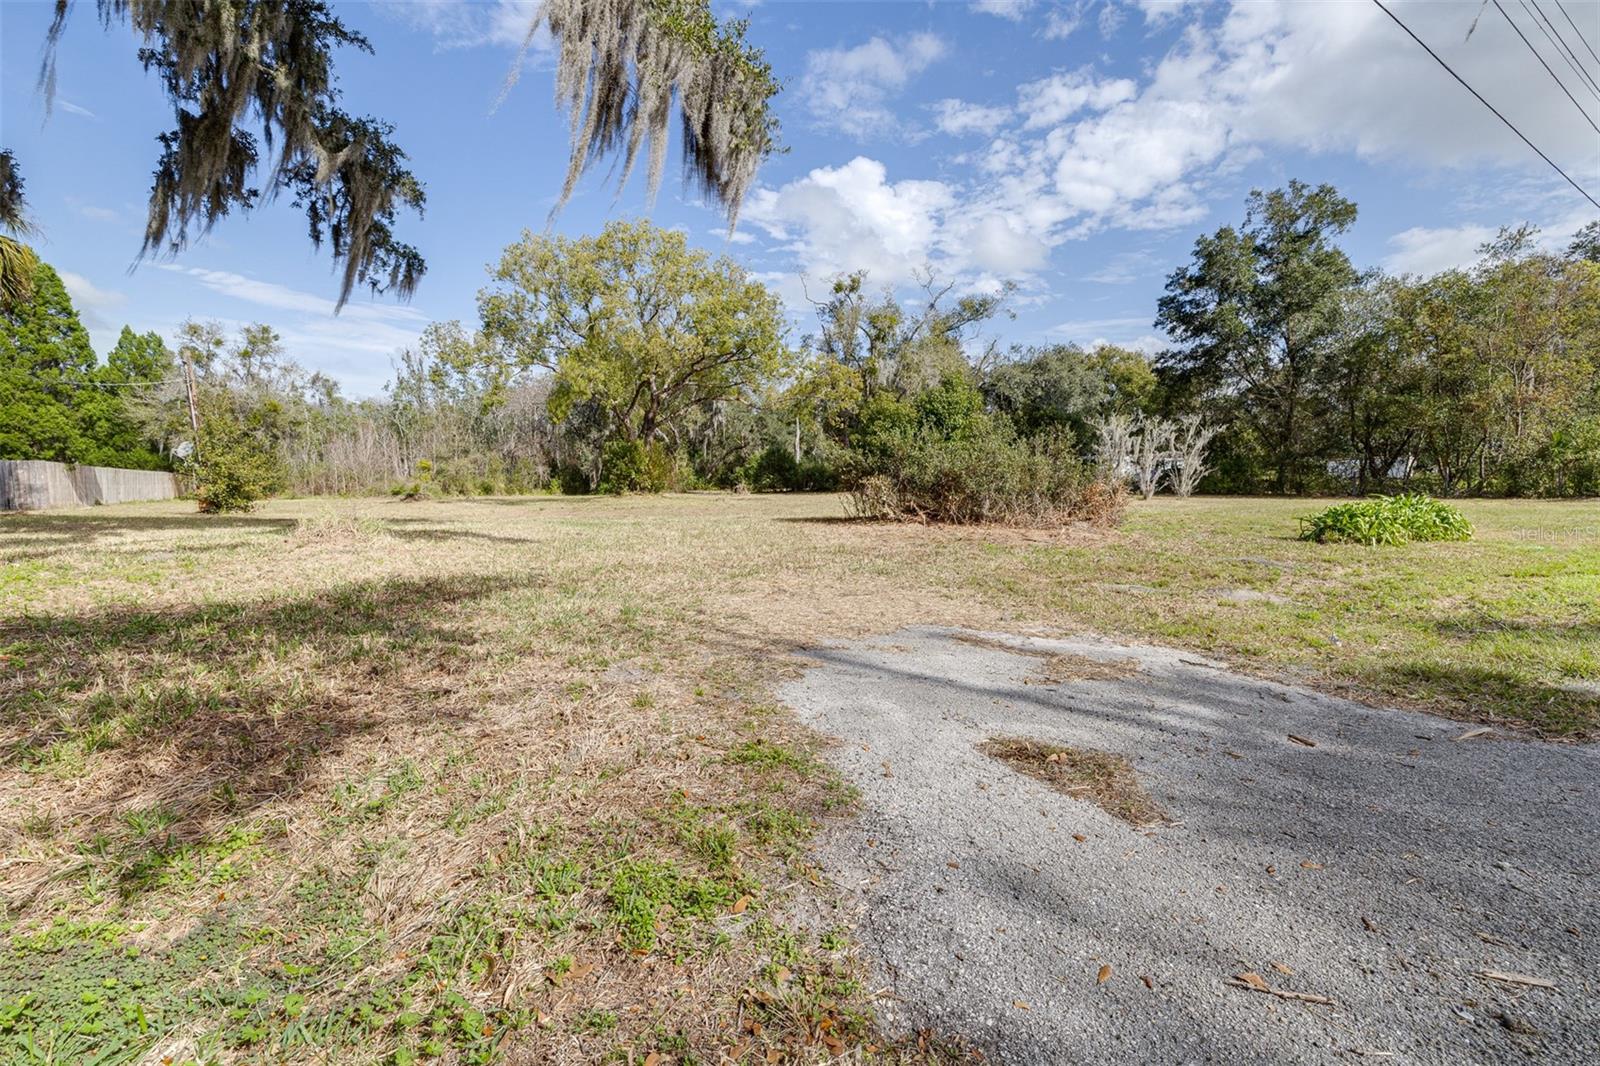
x=1075, y=148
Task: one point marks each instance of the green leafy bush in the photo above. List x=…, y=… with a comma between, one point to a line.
x=232, y=469
x=634, y=466
x=572, y=480
x=1387, y=520
x=987, y=474
x=777, y=470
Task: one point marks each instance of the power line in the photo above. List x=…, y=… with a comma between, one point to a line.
x=1577, y=31
x=1509, y=124
x=87, y=383
x=1553, y=34
x=1546, y=66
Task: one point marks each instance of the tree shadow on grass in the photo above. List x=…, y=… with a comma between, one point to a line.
x=204, y=714
x=1498, y=694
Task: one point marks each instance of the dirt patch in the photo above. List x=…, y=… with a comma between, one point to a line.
x=1105, y=779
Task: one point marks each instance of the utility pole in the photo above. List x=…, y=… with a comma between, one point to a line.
x=189, y=387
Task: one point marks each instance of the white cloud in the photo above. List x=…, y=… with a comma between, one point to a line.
x=501, y=23
x=1421, y=250
x=1014, y=10
x=1050, y=101
x=848, y=89
x=960, y=118
x=1061, y=22
x=851, y=217
x=94, y=304
x=94, y=212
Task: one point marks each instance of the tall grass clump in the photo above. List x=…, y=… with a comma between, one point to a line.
x=1387, y=520
x=984, y=474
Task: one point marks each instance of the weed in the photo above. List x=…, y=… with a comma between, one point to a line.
x=1387, y=520
x=646, y=897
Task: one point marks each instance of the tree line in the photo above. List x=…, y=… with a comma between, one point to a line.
x=631, y=361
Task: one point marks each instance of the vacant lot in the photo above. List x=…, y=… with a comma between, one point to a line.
x=505, y=777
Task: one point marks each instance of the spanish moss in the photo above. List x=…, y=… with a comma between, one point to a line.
x=233, y=68
x=621, y=62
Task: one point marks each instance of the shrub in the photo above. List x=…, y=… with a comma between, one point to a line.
x=231, y=468
x=572, y=480
x=1387, y=520
x=634, y=466
x=987, y=474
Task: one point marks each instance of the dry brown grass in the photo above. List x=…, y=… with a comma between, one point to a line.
x=360, y=725
x=572, y=679
x=1105, y=779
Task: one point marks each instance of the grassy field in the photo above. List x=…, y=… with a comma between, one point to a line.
x=504, y=778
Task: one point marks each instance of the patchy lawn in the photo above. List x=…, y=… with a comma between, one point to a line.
x=503, y=778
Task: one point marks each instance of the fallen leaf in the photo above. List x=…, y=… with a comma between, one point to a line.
x=1481, y=731
x=741, y=904
x=782, y=975
x=1272, y=869
x=1253, y=979
x=652, y=1058
x=1309, y=865
x=1303, y=741
x=1515, y=979
x=1079, y=837
x=1281, y=968
x=1104, y=975
x=953, y=865
x=1370, y=925
x=1020, y=1004
x=1149, y=982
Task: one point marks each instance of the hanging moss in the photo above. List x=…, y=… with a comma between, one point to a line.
x=620, y=64
x=229, y=67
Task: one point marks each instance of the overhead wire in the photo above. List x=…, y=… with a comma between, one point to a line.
x=1563, y=85
x=1577, y=31
x=1479, y=96
x=1553, y=34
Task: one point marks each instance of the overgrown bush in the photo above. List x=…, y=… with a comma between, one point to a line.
x=231, y=468
x=572, y=480
x=634, y=466
x=986, y=474
x=777, y=470
x=1387, y=520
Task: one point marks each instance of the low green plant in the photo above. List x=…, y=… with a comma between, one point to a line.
x=1387, y=520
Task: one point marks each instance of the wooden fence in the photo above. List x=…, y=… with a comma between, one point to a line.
x=36, y=485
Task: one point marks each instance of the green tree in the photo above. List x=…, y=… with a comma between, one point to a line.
x=1256, y=312
x=635, y=322
x=867, y=345
x=17, y=261
x=110, y=408
x=45, y=359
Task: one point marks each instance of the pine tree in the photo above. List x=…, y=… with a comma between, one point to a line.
x=45, y=357
x=135, y=370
